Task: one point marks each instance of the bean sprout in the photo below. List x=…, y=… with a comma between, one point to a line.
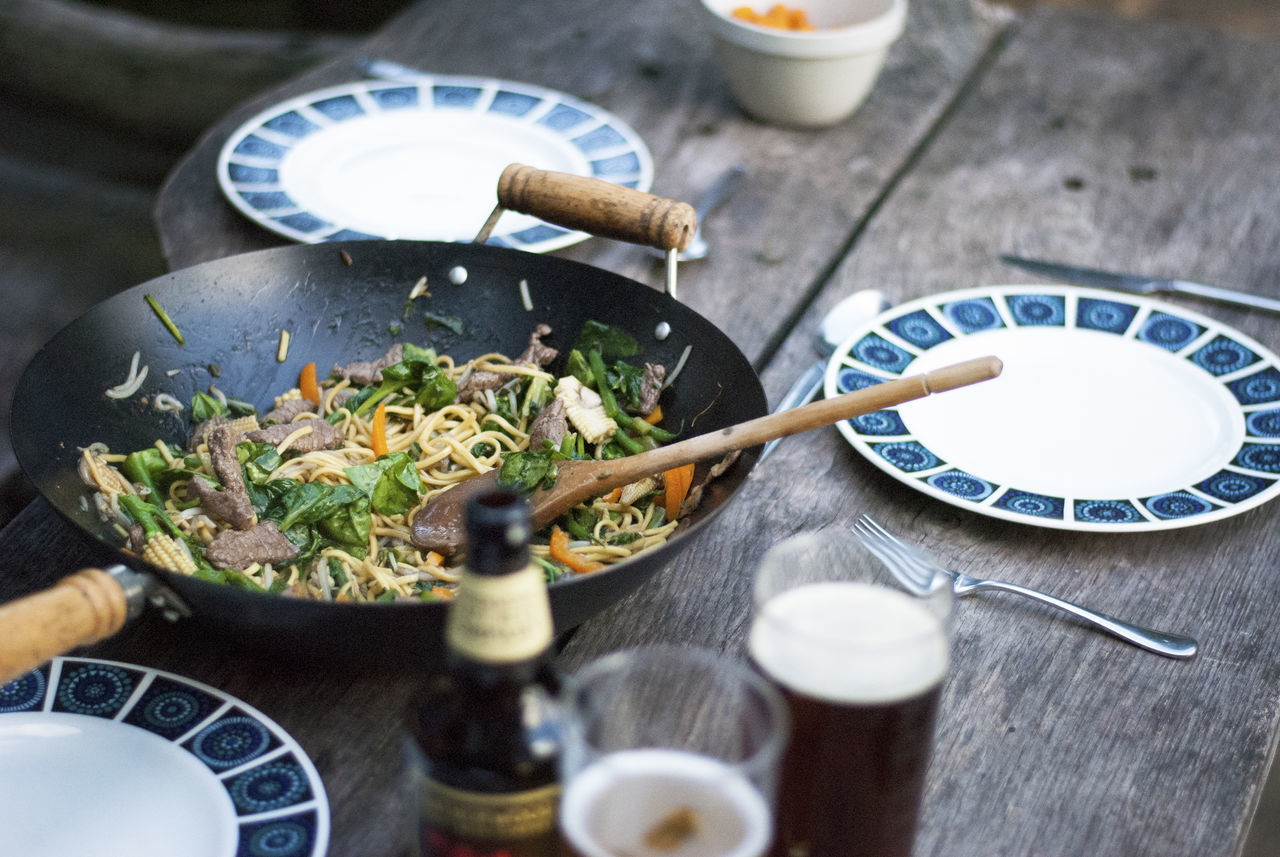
x=131, y=384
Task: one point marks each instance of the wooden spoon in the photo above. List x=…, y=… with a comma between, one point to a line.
x=438, y=525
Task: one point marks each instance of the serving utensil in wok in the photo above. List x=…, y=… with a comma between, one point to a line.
x=438, y=524
x=345, y=301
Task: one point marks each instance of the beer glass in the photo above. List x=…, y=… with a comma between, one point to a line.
x=668, y=751
x=860, y=662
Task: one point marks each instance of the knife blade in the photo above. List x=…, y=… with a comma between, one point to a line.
x=1138, y=284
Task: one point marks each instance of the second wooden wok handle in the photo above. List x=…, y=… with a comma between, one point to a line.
x=597, y=206
x=83, y=608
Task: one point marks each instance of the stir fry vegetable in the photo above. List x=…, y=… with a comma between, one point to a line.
x=315, y=497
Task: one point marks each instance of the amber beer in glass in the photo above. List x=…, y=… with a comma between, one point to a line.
x=669, y=751
x=860, y=662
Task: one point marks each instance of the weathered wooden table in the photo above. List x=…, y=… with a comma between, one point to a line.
x=1135, y=146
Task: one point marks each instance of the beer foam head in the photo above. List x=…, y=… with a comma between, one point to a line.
x=850, y=643
x=611, y=806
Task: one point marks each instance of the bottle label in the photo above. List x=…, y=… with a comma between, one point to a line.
x=500, y=619
x=451, y=816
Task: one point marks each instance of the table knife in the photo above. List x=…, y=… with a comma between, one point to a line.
x=1141, y=285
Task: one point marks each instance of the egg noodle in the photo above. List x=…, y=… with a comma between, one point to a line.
x=447, y=445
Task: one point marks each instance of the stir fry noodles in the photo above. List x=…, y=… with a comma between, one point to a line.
x=316, y=497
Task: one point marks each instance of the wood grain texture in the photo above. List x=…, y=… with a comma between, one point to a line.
x=651, y=64
x=1134, y=147
x=1123, y=145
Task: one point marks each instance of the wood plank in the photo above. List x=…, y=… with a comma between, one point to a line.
x=653, y=67
x=1135, y=147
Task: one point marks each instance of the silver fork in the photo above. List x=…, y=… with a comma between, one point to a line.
x=917, y=570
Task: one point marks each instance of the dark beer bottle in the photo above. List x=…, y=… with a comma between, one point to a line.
x=485, y=732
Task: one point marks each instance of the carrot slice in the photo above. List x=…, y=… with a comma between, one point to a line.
x=561, y=552
x=676, y=482
x=379, y=431
x=308, y=385
x=655, y=416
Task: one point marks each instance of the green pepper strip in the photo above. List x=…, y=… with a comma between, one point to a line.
x=611, y=408
x=618, y=415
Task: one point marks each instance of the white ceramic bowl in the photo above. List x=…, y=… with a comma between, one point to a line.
x=806, y=79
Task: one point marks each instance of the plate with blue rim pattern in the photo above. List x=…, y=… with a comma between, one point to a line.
x=1114, y=413
x=112, y=759
x=419, y=160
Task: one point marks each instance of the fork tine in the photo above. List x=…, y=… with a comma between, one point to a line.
x=918, y=555
x=914, y=574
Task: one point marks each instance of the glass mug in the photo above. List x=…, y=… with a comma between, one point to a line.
x=669, y=751
x=860, y=662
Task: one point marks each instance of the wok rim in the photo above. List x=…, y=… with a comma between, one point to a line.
x=193, y=590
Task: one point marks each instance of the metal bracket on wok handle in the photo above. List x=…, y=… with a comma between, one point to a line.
x=596, y=206
x=82, y=608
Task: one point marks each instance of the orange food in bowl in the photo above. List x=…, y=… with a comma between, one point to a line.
x=778, y=16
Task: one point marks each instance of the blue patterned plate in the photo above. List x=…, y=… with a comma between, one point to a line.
x=105, y=758
x=1114, y=413
x=419, y=160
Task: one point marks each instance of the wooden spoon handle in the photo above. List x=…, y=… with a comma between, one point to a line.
x=82, y=608
x=598, y=477
x=597, y=206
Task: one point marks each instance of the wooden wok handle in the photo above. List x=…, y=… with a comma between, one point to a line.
x=597, y=206
x=83, y=608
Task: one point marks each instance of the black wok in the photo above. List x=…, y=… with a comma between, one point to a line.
x=343, y=301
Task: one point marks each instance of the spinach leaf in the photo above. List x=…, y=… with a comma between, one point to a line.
x=613, y=342
x=627, y=383
x=525, y=471
x=206, y=407
x=450, y=321
x=338, y=512
x=259, y=460
x=417, y=371
x=391, y=483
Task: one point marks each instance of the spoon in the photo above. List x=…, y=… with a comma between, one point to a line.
x=438, y=525
x=851, y=313
x=716, y=194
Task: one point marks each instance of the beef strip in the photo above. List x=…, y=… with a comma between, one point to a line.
x=234, y=505
x=477, y=381
x=288, y=411
x=651, y=386
x=364, y=373
x=200, y=435
x=550, y=424
x=322, y=435
x=536, y=353
x=222, y=505
x=242, y=548
x=137, y=538
x=694, y=498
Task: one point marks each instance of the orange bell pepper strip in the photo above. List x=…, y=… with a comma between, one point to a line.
x=308, y=385
x=562, y=553
x=655, y=416
x=676, y=482
x=379, y=431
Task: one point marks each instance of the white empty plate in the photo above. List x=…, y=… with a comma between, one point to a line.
x=117, y=760
x=1113, y=412
x=419, y=160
